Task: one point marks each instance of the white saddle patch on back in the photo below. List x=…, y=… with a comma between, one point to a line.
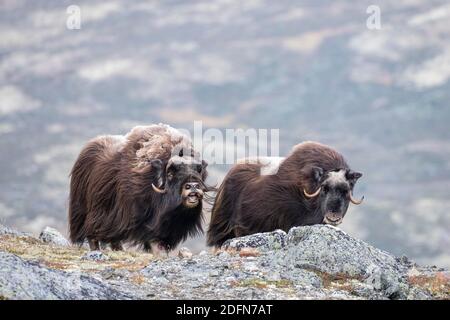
x=270, y=164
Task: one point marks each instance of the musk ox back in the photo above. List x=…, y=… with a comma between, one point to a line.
x=313, y=185
x=145, y=187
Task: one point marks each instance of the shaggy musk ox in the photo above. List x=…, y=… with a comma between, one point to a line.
x=313, y=185
x=145, y=187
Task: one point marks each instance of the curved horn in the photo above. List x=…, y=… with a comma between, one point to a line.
x=312, y=195
x=158, y=190
x=354, y=201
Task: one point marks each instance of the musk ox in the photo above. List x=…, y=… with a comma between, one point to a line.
x=313, y=185
x=145, y=188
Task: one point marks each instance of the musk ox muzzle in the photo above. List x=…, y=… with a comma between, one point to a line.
x=192, y=194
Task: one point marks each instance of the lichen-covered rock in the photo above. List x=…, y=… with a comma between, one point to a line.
x=331, y=250
x=20, y=279
x=52, y=236
x=4, y=230
x=267, y=241
x=313, y=262
x=328, y=249
x=417, y=294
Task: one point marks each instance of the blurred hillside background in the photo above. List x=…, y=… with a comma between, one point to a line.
x=311, y=68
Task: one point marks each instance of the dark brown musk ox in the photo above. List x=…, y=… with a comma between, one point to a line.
x=313, y=185
x=145, y=188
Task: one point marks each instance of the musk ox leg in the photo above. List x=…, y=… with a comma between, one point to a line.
x=156, y=249
x=116, y=246
x=94, y=245
x=148, y=247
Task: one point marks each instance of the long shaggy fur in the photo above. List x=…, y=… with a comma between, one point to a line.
x=111, y=196
x=248, y=202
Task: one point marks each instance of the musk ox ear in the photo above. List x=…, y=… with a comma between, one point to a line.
x=353, y=175
x=316, y=173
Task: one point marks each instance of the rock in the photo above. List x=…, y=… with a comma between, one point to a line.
x=53, y=236
x=20, y=279
x=311, y=262
x=251, y=267
x=417, y=294
x=185, y=253
x=4, y=230
x=274, y=276
x=387, y=282
x=267, y=241
x=329, y=249
x=223, y=254
x=95, y=256
x=214, y=273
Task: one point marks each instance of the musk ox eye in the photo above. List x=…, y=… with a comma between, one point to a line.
x=325, y=188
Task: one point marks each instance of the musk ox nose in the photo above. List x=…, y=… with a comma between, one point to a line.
x=333, y=218
x=192, y=194
x=193, y=189
x=192, y=185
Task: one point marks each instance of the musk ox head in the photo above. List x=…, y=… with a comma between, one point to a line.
x=182, y=178
x=334, y=193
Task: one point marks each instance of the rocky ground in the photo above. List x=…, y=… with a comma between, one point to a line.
x=313, y=262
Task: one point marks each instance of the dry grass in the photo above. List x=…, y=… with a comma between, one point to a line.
x=243, y=252
x=138, y=279
x=339, y=280
x=249, y=252
x=261, y=283
x=230, y=251
x=69, y=258
x=438, y=284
